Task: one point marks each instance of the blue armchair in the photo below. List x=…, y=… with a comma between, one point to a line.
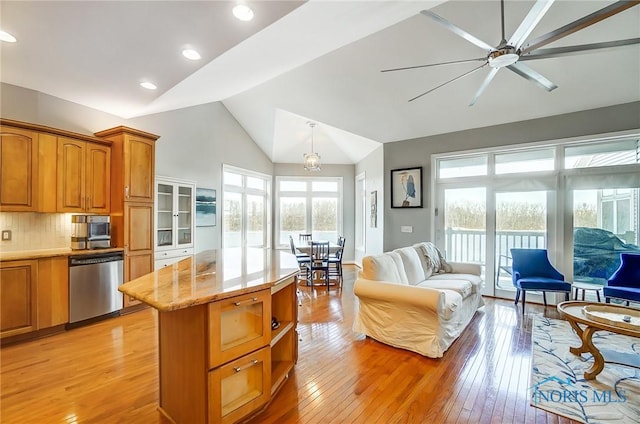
x=625, y=281
x=533, y=271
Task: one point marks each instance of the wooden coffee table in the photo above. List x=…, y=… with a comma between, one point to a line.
x=609, y=320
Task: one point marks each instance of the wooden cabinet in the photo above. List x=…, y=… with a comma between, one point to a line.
x=35, y=295
x=18, y=169
x=83, y=176
x=132, y=199
x=18, y=303
x=227, y=354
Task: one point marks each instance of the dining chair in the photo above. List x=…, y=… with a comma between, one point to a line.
x=319, y=261
x=335, y=262
x=303, y=259
x=533, y=271
x=304, y=237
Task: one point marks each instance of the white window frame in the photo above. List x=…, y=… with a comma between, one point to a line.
x=243, y=190
x=309, y=195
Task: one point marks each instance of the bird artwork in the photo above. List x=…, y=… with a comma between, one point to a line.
x=409, y=187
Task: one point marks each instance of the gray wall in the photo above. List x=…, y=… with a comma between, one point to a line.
x=373, y=168
x=417, y=152
x=347, y=172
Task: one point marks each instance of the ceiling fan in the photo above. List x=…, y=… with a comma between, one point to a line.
x=511, y=53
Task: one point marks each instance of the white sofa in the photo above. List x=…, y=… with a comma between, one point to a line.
x=411, y=298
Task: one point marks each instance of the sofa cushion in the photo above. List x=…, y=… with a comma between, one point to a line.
x=452, y=301
x=384, y=267
x=475, y=280
x=462, y=287
x=412, y=265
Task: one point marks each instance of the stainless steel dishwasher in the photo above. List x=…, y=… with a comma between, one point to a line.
x=93, y=286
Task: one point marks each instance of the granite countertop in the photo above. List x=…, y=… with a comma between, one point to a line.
x=49, y=253
x=212, y=275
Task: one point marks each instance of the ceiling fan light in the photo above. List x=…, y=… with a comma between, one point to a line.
x=503, y=57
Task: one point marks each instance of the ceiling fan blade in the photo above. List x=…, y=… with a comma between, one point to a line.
x=435, y=64
x=579, y=24
x=578, y=49
x=450, y=81
x=457, y=30
x=528, y=73
x=529, y=23
x=484, y=85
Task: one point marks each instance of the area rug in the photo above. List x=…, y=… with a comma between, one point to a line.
x=557, y=376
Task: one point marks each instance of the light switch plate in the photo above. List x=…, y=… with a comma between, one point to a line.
x=6, y=235
x=406, y=229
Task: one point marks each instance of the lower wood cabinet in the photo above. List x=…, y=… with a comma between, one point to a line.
x=18, y=303
x=222, y=362
x=35, y=295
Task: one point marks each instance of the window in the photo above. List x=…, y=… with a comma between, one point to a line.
x=245, y=212
x=308, y=205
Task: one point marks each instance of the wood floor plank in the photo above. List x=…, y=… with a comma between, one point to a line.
x=108, y=372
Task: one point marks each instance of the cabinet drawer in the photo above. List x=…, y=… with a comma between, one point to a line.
x=238, y=325
x=173, y=253
x=240, y=387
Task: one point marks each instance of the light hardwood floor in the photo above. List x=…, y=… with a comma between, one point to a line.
x=107, y=372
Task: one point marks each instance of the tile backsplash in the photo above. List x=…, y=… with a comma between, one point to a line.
x=34, y=230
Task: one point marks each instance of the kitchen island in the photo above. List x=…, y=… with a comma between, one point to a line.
x=227, y=331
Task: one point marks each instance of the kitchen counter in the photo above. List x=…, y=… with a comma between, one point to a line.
x=212, y=275
x=50, y=253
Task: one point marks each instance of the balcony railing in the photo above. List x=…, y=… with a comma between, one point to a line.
x=470, y=245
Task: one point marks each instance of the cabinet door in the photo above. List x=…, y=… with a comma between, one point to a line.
x=238, y=325
x=135, y=266
x=165, y=215
x=240, y=387
x=138, y=224
x=98, y=178
x=184, y=215
x=18, y=303
x=139, y=172
x=18, y=169
x=53, y=291
x=71, y=175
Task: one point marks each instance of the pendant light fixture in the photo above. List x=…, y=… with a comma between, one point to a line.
x=311, y=160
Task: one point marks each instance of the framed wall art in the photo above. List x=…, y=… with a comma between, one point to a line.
x=205, y=207
x=406, y=188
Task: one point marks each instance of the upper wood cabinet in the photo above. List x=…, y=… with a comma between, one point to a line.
x=84, y=171
x=45, y=169
x=133, y=166
x=18, y=169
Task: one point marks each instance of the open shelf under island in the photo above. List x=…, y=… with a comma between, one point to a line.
x=220, y=361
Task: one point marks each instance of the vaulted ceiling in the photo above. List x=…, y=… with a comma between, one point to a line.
x=314, y=61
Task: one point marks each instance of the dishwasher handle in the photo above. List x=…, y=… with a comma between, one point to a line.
x=95, y=259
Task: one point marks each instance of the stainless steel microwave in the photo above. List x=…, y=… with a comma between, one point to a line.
x=90, y=231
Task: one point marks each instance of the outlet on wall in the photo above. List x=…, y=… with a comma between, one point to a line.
x=6, y=235
x=406, y=229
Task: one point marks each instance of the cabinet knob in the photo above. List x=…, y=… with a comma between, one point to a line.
x=253, y=299
x=126, y=192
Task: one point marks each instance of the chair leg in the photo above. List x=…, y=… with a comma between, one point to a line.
x=517, y=295
x=566, y=296
x=524, y=294
x=544, y=298
x=598, y=294
x=607, y=300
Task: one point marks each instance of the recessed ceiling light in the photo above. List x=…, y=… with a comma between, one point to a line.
x=148, y=85
x=243, y=12
x=5, y=36
x=191, y=54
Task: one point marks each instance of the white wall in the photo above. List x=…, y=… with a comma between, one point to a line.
x=373, y=168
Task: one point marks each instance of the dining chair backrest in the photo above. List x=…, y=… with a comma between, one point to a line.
x=319, y=251
x=293, y=246
x=341, y=241
x=304, y=237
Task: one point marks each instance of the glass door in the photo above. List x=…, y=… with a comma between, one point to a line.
x=521, y=222
x=164, y=213
x=185, y=215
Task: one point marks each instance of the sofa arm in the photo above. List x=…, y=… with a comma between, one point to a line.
x=426, y=297
x=465, y=268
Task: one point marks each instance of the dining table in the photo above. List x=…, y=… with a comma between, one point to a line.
x=305, y=247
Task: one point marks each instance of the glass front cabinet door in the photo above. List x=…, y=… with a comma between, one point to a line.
x=175, y=220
